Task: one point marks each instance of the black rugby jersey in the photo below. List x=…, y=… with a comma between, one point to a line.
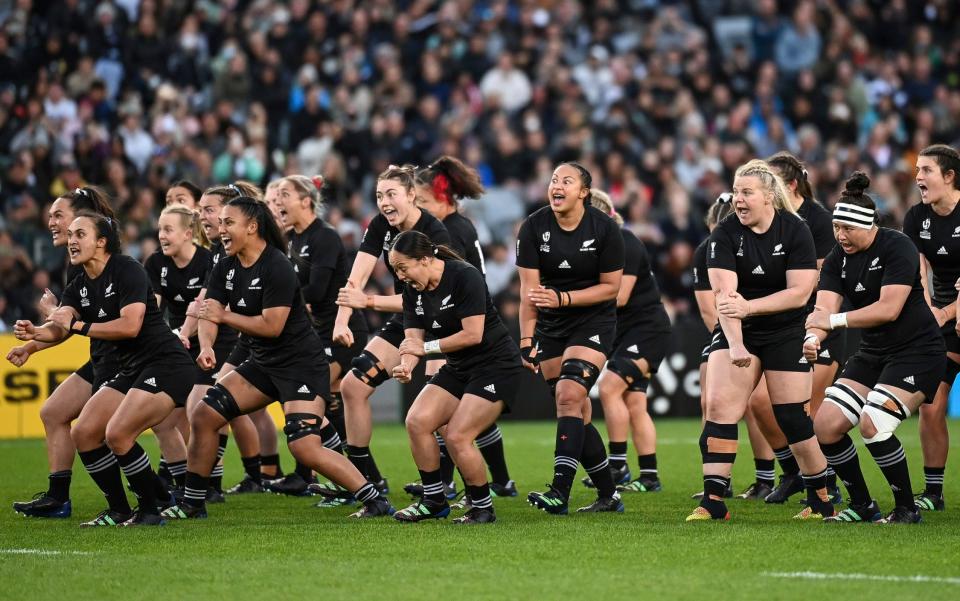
x=820, y=222
x=701, y=281
x=178, y=287
x=570, y=260
x=379, y=237
x=643, y=308
x=269, y=282
x=99, y=349
x=464, y=240
x=439, y=312
x=890, y=260
x=124, y=282
x=322, y=267
x=226, y=336
x=938, y=239
x=761, y=262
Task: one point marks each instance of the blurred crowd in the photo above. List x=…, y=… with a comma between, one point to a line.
x=661, y=99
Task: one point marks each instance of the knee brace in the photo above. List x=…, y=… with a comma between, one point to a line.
x=794, y=420
x=334, y=404
x=850, y=403
x=629, y=373
x=582, y=372
x=886, y=412
x=299, y=425
x=220, y=399
x=369, y=369
x=718, y=442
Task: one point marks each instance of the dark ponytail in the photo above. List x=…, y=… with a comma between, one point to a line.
x=267, y=227
x=790, y=169
x=417, y=245
x=450, y=180
x=855, y=191
x=586, y=180
x=107, y=227
x=90, y=198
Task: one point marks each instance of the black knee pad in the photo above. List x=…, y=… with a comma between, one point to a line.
x=369, y=369
x=552, y=383
x=718, y=442
x=334, y=404
x=220, y=399
x=298, y=425
x=629, y=373
x=794, y=420
x=582, y=372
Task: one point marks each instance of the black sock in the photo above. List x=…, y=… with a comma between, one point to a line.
x=446, y=463
x=569, y=448
x=648, y=466
x=103, y=468
x=764, y=470
x=216, y=474
x=831, y=478
x=480, y=496
x=933, y=477
x=331, y=438
x=335, y=415
x=788, y=463
x=593, y=457
x=251, y=467
x=714, y=489
x=178, y=470
x=160, y=490
x=305, y=471
x=360, y=458
x=195, y=490
x=375, y=476
x=817, y=498
x=892, y=461
x=433, y=486
x=163, y=470
x=270, y=460
x=136, y=467
x=842, y=457
x=59, y=487
x=618, y=454
x=366, y=493
x=490, y=443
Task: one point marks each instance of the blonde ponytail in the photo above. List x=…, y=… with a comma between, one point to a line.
x=601, y=200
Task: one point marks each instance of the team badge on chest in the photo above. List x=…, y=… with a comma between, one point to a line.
x=545, y=247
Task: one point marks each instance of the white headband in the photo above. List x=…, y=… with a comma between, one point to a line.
x=850, y=214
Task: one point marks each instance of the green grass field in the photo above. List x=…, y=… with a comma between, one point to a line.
x=266, y=545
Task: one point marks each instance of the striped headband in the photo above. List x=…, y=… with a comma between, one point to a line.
x=851, y=214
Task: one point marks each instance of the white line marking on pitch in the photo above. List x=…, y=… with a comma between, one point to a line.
x=876, y=577
x=40, y=552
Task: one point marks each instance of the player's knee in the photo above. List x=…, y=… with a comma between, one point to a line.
x=52, y=416
x=580, y=372
x=882, y=415
x=300, y=425
x=119, y=439
x=221, y=401
x=86, y=434
x=417, y=424
x=368, y=369
x=610, y=385
x=794, y=421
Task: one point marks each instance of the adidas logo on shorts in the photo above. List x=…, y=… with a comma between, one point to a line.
x=826, y=353
x=178, y=298
x=803, y=360
x=102, y=313
x=859, y=288
x=435, y=324
x=758, y=271
x=909, y=380
x=633, y=349
x=565, y=265
x=490, y=388
x=942, y=251
x=304, y=389
x=241, y=303
x=595, y=339
x=151, y=382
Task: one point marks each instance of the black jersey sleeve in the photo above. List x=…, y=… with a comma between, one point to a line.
x=901, y=263
x=71, y=294
x=830, y=273
x=700, y=279
x=411, y=321
x=372, y=242
x=635, y=260
x=720, y=250
x=821, y=226
x=153, y=268
x=527, y=254
x=280, y=286
x=467, y=294
x=802, y=252
x=216, y=282
x=323, y=263
x=911, y=227
x=611, y=255
x=133, y=284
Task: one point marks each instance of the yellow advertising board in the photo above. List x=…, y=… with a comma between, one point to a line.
x=23, y=390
